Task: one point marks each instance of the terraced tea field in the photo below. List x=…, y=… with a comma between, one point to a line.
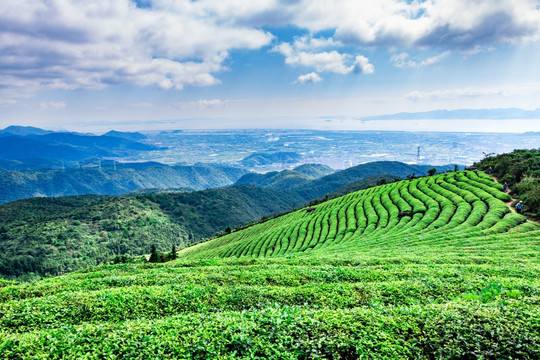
x=459, y=279
x=440, y=211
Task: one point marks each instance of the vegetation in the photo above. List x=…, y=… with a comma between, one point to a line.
x=520, y=169
x=459, y=279
x=50, y=236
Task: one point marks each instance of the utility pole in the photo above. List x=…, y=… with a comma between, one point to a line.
x=418, y=155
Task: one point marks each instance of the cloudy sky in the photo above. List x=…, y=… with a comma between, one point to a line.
x=156, y=64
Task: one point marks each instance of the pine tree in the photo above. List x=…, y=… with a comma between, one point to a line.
x=154, y=258
x=172, y=255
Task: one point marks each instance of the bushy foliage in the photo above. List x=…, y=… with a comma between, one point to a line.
x=520, y=169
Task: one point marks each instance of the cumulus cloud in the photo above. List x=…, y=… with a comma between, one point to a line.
x=308, y=78
x=70, y=44
x=304, y=53
x=453, y=24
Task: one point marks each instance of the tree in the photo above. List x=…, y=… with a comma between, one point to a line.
x=172, y=255
x=228, y=230
x=432, y=171
x=154, y=257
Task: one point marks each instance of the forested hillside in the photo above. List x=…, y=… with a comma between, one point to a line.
x=50, y=236
x=520, y=169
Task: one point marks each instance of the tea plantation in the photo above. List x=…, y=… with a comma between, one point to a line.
x=433, y=268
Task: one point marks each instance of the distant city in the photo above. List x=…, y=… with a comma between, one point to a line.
x=337, y=149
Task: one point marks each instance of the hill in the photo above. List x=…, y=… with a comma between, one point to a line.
x=286, y=179
x=261, y=159
x=132, y=136
x=464, y=204
x=113, y=180
x=23, y=131
x=309, y=189
x=520, y=169
x=50, y=236
x=349, y=279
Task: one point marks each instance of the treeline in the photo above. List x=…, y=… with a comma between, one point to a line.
x=520, y=169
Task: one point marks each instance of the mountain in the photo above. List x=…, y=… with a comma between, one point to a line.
x=67, y=146
x=23, y=131
x=349, y=279
x=314, y=171
x=315, y=188
x=261, y=159
x=132, y=136
x=49, y=236
x=92, y=142
x=286, y=179
x=363, y=183
x=330, y=183
x=510, y=113
x=113, y=179
x=17, y=147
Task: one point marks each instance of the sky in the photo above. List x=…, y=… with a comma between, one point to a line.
x=323, y=64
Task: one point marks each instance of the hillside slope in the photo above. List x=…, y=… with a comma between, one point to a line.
x=460, y=279
x=50, y=236
x=520, y=169
x=457, y=205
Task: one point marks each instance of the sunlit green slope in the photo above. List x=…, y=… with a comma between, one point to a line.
x=445, y=210
x=460, y=279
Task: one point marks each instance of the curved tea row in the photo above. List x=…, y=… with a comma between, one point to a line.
x=430, y=210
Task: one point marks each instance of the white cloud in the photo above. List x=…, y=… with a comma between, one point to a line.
x=403, y=60
x=362, y=65
x=202, y=104
x=300, y=53
x=453, y=93
x=55, y=105
x=308, y=78
x=70, y=44
x=448, y=24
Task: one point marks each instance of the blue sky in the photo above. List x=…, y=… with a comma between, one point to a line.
x=156, y=64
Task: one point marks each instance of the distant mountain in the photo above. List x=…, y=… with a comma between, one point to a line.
x=50, y=236
x=309, y=188
x=363, y=183
x=108, y=180
x=67, y=146
x=23, y=131
x=132, y=136
x=510, y=113
x=314, y=171
x=327, y=184
x=17, y=147
x=93, y=142
x=286, y=179
x=261, y=159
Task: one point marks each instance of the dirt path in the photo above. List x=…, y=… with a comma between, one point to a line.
x=509, y=203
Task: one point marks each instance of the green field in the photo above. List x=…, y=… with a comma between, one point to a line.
x=460, y=278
